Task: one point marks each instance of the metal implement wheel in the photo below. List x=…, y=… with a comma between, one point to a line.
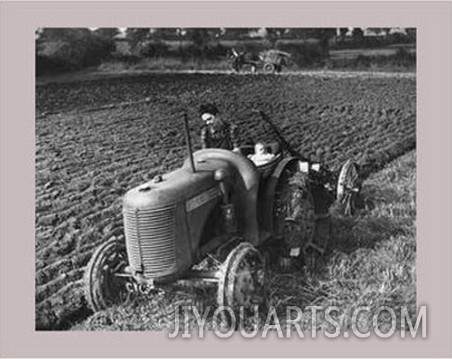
x=105, y=277
x=348, y=187
x=269, y=67
x=242, y=280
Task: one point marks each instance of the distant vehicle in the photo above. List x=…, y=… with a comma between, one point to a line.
x=271, y=61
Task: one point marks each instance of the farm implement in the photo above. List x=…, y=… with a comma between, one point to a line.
x=270, y=61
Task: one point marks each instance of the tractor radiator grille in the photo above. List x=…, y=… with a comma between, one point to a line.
x=150, y=239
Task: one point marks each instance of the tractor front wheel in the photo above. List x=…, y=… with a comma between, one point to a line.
x=242, y=282
x=105, y=277
x=294, y=213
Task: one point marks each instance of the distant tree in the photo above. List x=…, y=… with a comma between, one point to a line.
x=375, y=30
x=357, y=33
x=322, y=35
x=107, y=36
x=199, y=38
x=411, y=33
x=215, y=33
x=136, y=37
x=107, y=33
x=71, y=48
x=293, y=33
x=386, y=30
x=272, y=34
x=65, y=34
x=343, y=33
x=325, y=35
x=380, y=30
x=237, y=33
x=165, y=33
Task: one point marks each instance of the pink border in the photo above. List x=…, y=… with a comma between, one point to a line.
x=18, y=23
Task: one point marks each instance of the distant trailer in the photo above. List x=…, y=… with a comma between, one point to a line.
x=271, y=61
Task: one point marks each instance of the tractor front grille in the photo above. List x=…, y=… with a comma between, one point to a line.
x=150, y=239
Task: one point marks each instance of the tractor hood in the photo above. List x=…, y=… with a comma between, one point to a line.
x=178, y=185
x=185, y=186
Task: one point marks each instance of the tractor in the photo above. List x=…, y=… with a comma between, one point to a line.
x=218, y=204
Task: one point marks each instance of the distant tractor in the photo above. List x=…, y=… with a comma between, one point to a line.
x=220, y=205
x=270, y=61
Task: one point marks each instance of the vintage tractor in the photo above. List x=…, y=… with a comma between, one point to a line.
x=219, y=205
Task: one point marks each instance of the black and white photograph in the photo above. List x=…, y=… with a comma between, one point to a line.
x=231, y=180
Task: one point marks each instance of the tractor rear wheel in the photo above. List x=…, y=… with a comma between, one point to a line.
x=105, y=278
x=294, y=212
x=242, y=281
x=348, y=187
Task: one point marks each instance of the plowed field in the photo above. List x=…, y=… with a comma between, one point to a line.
x=97, y=139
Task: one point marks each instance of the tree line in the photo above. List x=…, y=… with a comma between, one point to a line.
x=76, y=48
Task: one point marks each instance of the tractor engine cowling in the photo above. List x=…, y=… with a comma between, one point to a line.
x=158, y=237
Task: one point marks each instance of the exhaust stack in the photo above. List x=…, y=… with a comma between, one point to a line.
x=188, y=142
